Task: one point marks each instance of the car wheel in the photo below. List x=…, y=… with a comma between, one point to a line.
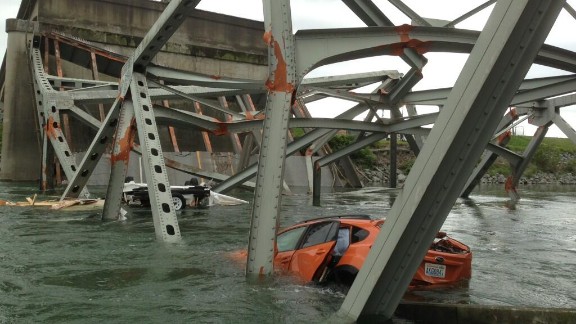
x=345, y=275
x=178, y=201
x=145, y=202
x=204, y=202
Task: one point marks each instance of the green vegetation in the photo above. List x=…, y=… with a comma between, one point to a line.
x=363, y=158
x=375, y=154
x=548, y=156
x=297, y=132
x=554, y=155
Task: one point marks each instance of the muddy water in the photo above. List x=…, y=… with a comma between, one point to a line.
x=70, y=267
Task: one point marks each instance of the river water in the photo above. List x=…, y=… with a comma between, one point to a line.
x=69, y=267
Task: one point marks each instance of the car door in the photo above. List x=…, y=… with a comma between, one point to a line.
x=286, y=244
x=309, y=260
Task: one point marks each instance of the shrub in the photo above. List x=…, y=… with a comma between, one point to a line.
x=500, y=166
x=297, y=132
x=547, y=158
x=406, y=166
x=570, y=166
x=364, y=157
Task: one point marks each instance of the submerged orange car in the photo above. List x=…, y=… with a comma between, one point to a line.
x=334, y=249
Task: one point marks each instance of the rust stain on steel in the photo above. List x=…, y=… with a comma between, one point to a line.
x=419, y=46
x=86, y=47
x=267, y=37
x=250, y=116
x=509, y=185
x=504, y=136
x=50, y=129
x=280, y=82
x=125, y=146
x=222, y=129
x=406, y=41
x=404, y=32
x=398, y=48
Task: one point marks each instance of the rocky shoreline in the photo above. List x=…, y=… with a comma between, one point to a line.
x=538, y=178
x=379, y=171
x=381, y=175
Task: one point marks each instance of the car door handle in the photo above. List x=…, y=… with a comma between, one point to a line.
x=321, y=251
x=285, y=260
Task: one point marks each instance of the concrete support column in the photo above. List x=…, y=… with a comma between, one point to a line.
x=21, y=146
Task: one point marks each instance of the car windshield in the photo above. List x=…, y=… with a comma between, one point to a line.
x=288, y=240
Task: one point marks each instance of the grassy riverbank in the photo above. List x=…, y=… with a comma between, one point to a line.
x=553, y=156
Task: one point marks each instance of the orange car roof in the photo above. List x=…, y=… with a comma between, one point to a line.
x=359, y=216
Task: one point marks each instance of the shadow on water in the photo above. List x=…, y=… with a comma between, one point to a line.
x=60, y=266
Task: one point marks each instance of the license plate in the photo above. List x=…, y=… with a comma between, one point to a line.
x=435, y=270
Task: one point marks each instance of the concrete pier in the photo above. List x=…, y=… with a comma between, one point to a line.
x=209, y=43
x=21, y=147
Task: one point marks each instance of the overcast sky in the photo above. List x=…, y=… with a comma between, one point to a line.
x=308, y=14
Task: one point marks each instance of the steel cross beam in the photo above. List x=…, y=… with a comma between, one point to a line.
x=375, y=41
x=134, y=85
x=489, y=156
x=500, y=59
x=165, y=221
x=519, y=165
x=166, y=25
x=48, y=103
x=532, y=90
x=123, y=143
x=470, y=13
x=298, y=144
x=363, y=142
x=282, y=84
x=565, y=127
x=47, y=150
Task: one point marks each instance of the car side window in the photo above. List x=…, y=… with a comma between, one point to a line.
x=359, y=234
x=317, y=234
x=288, y=240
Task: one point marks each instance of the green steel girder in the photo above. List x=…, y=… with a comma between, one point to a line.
x=530, y=90
x=492, y=74
x=163, y=213
x=282, y=84
x=375, y=41
x=119, y=158
x=470, y=13
x=48, y=103
x=108, y=96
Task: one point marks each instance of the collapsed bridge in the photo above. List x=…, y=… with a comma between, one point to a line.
x=141, y=100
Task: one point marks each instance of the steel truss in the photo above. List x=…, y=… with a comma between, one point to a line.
x=471, y=119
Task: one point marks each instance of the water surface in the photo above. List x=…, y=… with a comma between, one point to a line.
x=64, y=266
